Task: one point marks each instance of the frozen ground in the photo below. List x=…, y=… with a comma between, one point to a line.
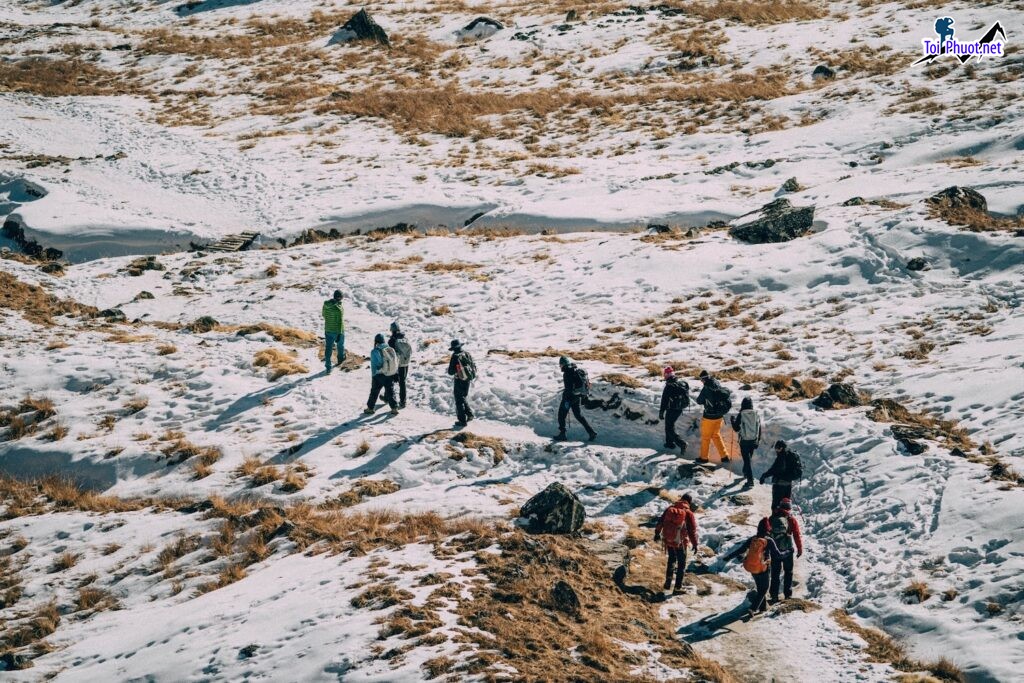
x=89, y=169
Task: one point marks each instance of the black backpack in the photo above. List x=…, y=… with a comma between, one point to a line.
x=678, y=396
x=794, y=468
x=582, y=381
x=720, y=401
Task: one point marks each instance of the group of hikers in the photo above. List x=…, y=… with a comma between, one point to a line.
x=768, y=555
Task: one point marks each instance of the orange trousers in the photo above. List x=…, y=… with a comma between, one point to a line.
x=710, y=432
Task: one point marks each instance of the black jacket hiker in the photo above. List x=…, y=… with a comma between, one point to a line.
x=573, y=394
x=461, y=385
x=716, y=399
x=675, y=398
x=786, y=469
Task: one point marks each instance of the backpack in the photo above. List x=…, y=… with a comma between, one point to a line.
x=582, y=381
x=748, y=423
x=778, y=528
x=465, y=368
x=404, y=350
x=719, y=401
x=389, y=362
x=678, y=396
x=794, y=468
x=674, y=527
x=754, y=562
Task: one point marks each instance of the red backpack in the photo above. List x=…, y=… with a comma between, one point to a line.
x=674, y=527
x=754, y=562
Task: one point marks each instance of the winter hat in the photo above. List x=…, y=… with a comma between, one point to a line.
x=780, y=445
x=379, y=339
x=564, y=361
x=747, y=404
x=785, y=505
x=394, y=327
x=704, y=375
x=337, y=294
x=668, y=372
x=455, y=345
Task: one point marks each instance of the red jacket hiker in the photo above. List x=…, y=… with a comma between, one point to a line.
x=677, y=525
x=780, y=530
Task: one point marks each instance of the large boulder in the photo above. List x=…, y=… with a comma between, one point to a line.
x=823, y=72
x=778, y=221
x=564, y=598
x=956, y=197
x=840, y=394
x=555, y=510
x=360, y=26
x=481, y=27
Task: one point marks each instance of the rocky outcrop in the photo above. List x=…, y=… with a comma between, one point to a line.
x=792, y=185
x=555, y=510
x=113, y=315
x=202, y=324
x=839, y=395
x=564, y=598
x=481, y=27
x=360, y=26
x=918, y=263
x=823, y=72
x=956, y=197
x=140, y=265
x=778, y=221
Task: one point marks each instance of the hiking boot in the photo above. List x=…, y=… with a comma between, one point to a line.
x=789, y=596
x=394, y=411
x=460, y=424
x=749, y=485
x=670, y=445
x=401, y=406
x=682, y=449
x=327, y=371
x=668, y=584
x=592, y=436
x=560, y=436
x=368, y=411
x=772, y=599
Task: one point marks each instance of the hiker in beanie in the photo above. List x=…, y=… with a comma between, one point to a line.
x=575, y=387
x=677, y=527
x=463, y=369
x=747, y=424
x=383, y=369
x=717, y=402
x=401, y=345
x=786, y=469
x=334, y=329
x=761, y=553
x=782, y=528
x=675, y=398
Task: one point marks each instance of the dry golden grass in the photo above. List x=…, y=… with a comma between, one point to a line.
x=622, y=380
x=756, y=12
x=56, y=344
x=293, y=481
x=882, y=648
x=95, y=599
x=284, y=335
x=41, y=406
x=450, y=266
x=60, y=77
x=495, y=445
x=381, y=596
x=362, y=449
x=361, y=490
x=975, y=220
x=65, y=561
x=34, y=303
x=181, y=450
x=55, y=493
x=166, y=349
x=279, y=363
x=440, y=310
x=917, y=591
x=135, y=405
x=36, y=627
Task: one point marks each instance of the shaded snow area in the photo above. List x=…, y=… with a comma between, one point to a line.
x=187, y=494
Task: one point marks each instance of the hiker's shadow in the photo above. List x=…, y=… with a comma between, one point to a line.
x=257, y=398
x=295, y=451
x=713, y=625
x=642, y=592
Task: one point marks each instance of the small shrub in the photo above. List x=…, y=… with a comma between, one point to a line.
x=293, y=481
x=363, y=448
x=42, y=407
x=440, y=310
x=57, y=432
x=279, y=363
x=136, y=405
x=65, y=561
x=95, y=599
x=166, y=349
x=918, y=591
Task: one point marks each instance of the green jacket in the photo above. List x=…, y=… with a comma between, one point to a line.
x=334, y=317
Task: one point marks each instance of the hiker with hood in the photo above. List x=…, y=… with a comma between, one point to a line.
x=383, y=370
x=401, y=345
x=463, y=369
x=717, y=402
x=575, y=388
x=675, y=398
x=786, y=469
x=677, y=528
x=782, y=528
x=747, y=424
x=761, y=553
x=334, y=329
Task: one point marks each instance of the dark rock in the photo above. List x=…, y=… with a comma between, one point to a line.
x=564, y=598
x=481, y=27
x=283, y=530
x=778, y=221
x=52, y=268
x=143, y=296
x=202, y=324
x=122, y=46
x=555, y=510
x=791, y=185
x=15, y=662
x=823, y=72
x=741, y=499
x=658, y=227
x=956, y=197
x=853, y=164
x=918, y=263
x=854, y=201
x=572, y=15
x=248, y=651
x=142, y=264
x=360, y=26
x=909, y=436
x=114, y=315
x=261, y=515
x=194, y=507
x=838, y=395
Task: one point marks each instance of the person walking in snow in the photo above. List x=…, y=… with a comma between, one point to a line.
x=786, y=469
x=401, y=345
x=677, y=527
x=575, y=388
x=761, y=553
x=781, y=526
x=383, y=370
x=747, y=423
x=334, y=329
x=463, y=369
x=717, y=402
x=675, y=398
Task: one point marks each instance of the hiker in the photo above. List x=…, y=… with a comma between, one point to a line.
x=675, y=398
x=575, y=387
x=747, y=424
x=717, y=402
x=401, y=345
x=783, y=528
x=334, y=329
x=786, y=469
x=677, y=526
x=761, y=554
x=463, y=369
x=383, y=369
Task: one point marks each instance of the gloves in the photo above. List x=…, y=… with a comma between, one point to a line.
x=657, y=537
x=694, y=549
x=661, y=415
x=800, y=553
x=762, y=480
